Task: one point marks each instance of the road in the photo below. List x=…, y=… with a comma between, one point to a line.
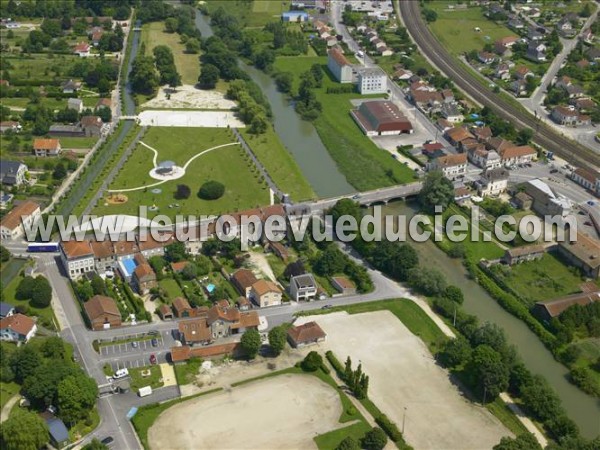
x=545, y=136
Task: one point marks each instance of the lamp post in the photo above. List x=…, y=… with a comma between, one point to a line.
x=404, y=420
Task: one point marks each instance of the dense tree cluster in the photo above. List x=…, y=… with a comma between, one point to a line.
x=332, y=261
x=286, y=41
x=277, y=339
x=253, y=108
x=437, y=191
x=356, y=380
x=307, y=104
x=37, y=290
x=165, y=63
x=251, y=343
x=143, y=75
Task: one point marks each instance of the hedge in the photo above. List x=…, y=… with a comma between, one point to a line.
x=390, y=428
x=335, y=363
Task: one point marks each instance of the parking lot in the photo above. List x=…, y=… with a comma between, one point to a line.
x=135, y=361
x=141, y=345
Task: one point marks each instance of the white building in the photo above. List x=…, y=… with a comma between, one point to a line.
x=492, y=182
x=450, y=165
x=77, y=258
x=23, y=215
x=303, y=287
x=17, y=328
x=339, y=66
x=12, y=173
x=372, y=81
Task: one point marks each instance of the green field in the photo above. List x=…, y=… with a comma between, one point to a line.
x=455, y=29
x=252, y=14
x=280, y=164
x=171, y=287
x=153, y=380
x=364, y=165
x=77, y=142
x=7, y=390
x=188, y=64
x=545, y=279
x=228, y=165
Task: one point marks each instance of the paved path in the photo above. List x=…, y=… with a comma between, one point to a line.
x=8, y=407
x=526, y=421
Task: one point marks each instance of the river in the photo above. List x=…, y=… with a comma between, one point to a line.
x=582, y=408
x=299, y=137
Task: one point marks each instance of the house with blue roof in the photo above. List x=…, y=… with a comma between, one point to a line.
x=6, y=310
x=295, y=16
x=59, y=435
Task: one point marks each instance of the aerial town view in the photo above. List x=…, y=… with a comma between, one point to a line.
x=300, y=224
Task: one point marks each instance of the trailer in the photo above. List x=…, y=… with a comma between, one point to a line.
x=145, y=391
x=42, y=247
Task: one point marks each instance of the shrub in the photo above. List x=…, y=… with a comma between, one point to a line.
x=183, y=191
x=389, y=427
x=312, y=362
x=211, y=190
x=375, y=439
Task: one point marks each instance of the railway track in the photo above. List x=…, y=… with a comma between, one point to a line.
x=544, y=136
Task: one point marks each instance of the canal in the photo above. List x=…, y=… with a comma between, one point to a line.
x=298, y=136
x=582, y=408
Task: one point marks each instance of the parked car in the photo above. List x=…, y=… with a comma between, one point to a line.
x=135, y=344
x=154, y=342
x=153, y=359
x=107, y=440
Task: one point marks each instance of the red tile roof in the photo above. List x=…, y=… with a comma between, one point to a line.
x=309, y=332
x=13, y=219
x=19, y=323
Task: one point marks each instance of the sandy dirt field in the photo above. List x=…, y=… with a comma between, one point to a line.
x=209, y=119
x=403, y=376
x=188, y=96
x=283, y=412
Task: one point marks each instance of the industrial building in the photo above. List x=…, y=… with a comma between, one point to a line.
x=381, y=118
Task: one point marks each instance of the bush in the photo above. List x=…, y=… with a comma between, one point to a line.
x=335, y=363
x=211, y=190
x=389, y=427
x=312, y=362
x=375, y=439
x=183, y=191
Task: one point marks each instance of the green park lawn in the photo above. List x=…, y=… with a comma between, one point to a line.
x=171, y=287
x=228, y=165
x=77, y=142
x=188, y=64
x=280, y=164
x=153, y=380
x=545, y=279
x=252, y=14
x=364, y=165
x=456, y=29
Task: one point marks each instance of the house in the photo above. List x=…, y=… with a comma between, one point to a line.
x=194, y=332
x=548, y=310
x=402, y=74
x=450, y=165
x=583, y=104
x=243, y=304
x=451, y=113
x=225, y=321
x=10, y=125
x=303, y=335
x=461, y=194
x=482, y=134
x=103, y=103
x=58, y=432
x=12, y=173
x=507, y=41
x=515, y=24
x=17, y=328
x=66, y=131
x=583, y=64
x=522, y=200
x=182, y=307
x=502, y=72
x=77, y=258
x=344, y=285
x=534, y=35
x=243, y=279
x=294, y=16
x=82, y=49
x=144, y=277
x=587, y=36
x=185, y=352
x=564, y=25
x=492, y=182
x=339, y=66
x=518, y=255
x=486, y=57
x=97, y=33
x=589, y=179
x=381, y=118
x=583, y=252
x=498, y=144
x=486, y=159
x=279, y=250
x=545, y=201
x=523, y=72
x=21, y=217
x=519, y=88
x=6, y=310
x=443, y=125
x=433, y=150
x=70, y=86
x=303, y=287
x=568, y=115
x=594, y=54
x=104, y=256
x=265, y=293
x=46, y=147
x=165, y=312
x=427, y=100
x=522, y=154
x=536, y=52
x=372, y=81
x=102, y=313
x=76, y=104
x=5, y=199
x=457, y=135
x=92, y=125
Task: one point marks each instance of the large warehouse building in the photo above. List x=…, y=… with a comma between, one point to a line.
x=381, y=118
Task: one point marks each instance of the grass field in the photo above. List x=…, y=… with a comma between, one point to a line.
x=171, y=287
x=253, y=14
x=545, y=279
x=7, y=390
x=228, y=165
x=153, y=380
x=364, y=165
x=188, y=65
x=186, y=373
x=280, y=164
x=456, y=29
x=77, y=142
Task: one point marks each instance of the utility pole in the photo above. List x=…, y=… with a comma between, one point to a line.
x=404, y=420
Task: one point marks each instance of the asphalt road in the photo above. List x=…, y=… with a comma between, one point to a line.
x=546, y=137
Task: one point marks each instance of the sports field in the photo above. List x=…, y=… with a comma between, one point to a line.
x=228, y=165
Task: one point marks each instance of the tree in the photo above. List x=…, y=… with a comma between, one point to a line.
x=330, y=261
x=24, y=288
x=312, y=362
x=455, y=352
x=437, y=191
x=430, y=15
x=24, y=361
x=251, y=343
x=190, y=271
x=192, y=45
x=53, y=348
x=455, y=294
x=183, y=191
x=430, y=282
x=95, y=444
x=489, y=372
x=98, y=286
x=4, y=254
x=375, y=439
x=346, y=207
x=171, y=25
x=76, y=397
x=348, y=443
x=317, y=73
x=209, y=76
x=41, y=292
x=41, y=387
x=211, y=190
x=24, y=430
x=175, y=252
x=525, y=441
x=284, y=81
x=524, y=136
x=277, y=339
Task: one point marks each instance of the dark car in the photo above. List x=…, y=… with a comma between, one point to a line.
x=152, y=358
x=107, y=440
x=554, y=171
x=154, y=342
